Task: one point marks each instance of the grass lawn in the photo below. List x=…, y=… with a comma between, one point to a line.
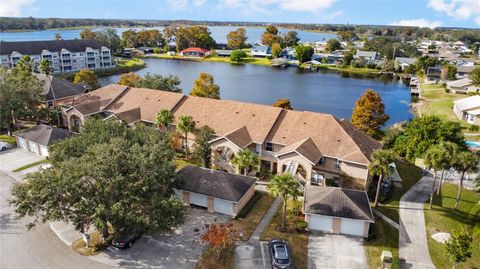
x=443, y=218
x=298, y=241
x=8, y=139
x=349, y=69
x=209, y=261
x=410, y=174
x=30, y=165
x=97, y=245
x=248, y=60
x=384, y=237
x=257, y=207
x=182, y=163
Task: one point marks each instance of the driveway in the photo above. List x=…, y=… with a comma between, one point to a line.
x=335, y=251
x=179, y=249
x=413, y=247
x=14, y=158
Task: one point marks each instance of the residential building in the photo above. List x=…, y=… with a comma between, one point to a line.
x=468, y=109
x=434, y=74
x=464, y=71
x=261, y=51
x=327, y=58
x=370, y=57
x=63, y=55
x=316, y=148
x=56, y=89
x=195, y=52
x=403, y=62
x=464, y=85
x=39, y=138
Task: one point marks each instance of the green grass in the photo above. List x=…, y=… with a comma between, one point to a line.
x=444, y=218
x=349, y=69
x=384, y=237
x=181, y=163
x=298, y=241
x=248, y=60
x=30, y=165
x=410, y=174
x=8, y=139
x=123, y=66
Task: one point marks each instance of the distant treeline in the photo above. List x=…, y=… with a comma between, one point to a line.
x=400, y=32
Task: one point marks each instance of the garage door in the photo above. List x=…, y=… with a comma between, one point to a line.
x=22, y=143
x=352, y=227
x=321, y=223
x=198, y=199
x=33, y=147
x=223, y=206
x=44, y=151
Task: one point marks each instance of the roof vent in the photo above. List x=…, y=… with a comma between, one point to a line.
x=339, y=140
x=305, y=122
x=236, y=112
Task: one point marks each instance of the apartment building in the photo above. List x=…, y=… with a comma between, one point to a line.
x=318, y=149
x=63, y=55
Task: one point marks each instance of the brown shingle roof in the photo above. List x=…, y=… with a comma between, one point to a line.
x=332, y=137
x=43, y=134
x=305, y=147
x=95, y=101
x=213, y=183
x=130, y=116
x=336, y=202
x=223, y=116
x=149, y=101
x=240, y=137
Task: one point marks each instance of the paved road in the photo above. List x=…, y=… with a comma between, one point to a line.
x=254, y=254
x=331, y=251
x=38, y=248
x=413, y=236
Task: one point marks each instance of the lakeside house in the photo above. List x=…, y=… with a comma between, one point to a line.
x=464, y=85
x=327, y=58
x=463, y=71
x=63, y=55
x=316, y=148
x=58, y=90
x=468, y=109
x=370, y=57
x=195, y=52
x=434, y=73
x=404, y=62
x=261, y=51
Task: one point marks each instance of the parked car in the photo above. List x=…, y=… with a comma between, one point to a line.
x=4, y=146
x=124, y=243
x=280, y=254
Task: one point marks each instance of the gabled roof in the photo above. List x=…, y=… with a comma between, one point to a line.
x=36, y=47
x=362, y=53
x=240, y=137
x=406, y=60
x=43, y=134
x=305, y=148
x=465, y=69
x=464, y=82
x=130, y=116
x=467, y=103
x=195, y=49
x=337, y=202
x=62, y=88
x=217, y=184
x=332, y=137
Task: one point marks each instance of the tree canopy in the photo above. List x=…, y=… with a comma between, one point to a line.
x=110, y=175
x=237, y=39
x=204, y=86
x=369, y=113
x=333, y=45
x=303, y=53
x=87, y=76
x=129, y=79
x=475, y=76
x=238, y=55
x=283, y=103
x=202, y=152
x=291, y=38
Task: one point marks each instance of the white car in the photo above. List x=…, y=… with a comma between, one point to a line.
x=4, y=146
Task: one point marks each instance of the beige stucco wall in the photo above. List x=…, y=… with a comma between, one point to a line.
x=237, y=207
x=225, y=143
x=296, y=158
x=354, y=170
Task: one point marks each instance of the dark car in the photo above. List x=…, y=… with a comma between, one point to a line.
x=124, y=243
x=280, y=254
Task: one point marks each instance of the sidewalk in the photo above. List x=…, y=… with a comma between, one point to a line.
x=413, y=247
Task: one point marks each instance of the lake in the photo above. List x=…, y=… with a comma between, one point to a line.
x=219, y=33
x=325, y=91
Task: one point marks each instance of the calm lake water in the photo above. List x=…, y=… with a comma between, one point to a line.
x=327, y=92
x=219, y=33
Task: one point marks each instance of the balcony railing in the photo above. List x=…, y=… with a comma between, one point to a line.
x=267, y=154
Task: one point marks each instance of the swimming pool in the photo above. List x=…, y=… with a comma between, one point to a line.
x=473, y=144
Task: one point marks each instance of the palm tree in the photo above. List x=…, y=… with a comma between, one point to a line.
x=449, y=150
x=246, y=160
x=380, y=166
x=285, y=186
x=433, y=158
x=186, y=125
x=465, y=161
x=164, y=119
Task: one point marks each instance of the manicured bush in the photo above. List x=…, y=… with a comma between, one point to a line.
x=238, y=55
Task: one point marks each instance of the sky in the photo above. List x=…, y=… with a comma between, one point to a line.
x=423, y=13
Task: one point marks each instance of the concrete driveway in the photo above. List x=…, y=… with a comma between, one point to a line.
x=335, y=251
x=14, y=158
x=179, y=249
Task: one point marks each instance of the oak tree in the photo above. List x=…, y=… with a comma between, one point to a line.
x=204, y=86
x=87, y=76
x=237, y=39
x=369, y=113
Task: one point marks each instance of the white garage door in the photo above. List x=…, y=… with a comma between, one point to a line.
x=44, y=151
x=22, y=143
x=352, y=227
x=198, y=199
x=223, y=206
x=321, y=223
x=33, y=147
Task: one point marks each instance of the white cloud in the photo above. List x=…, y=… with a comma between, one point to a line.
x=199, y=2
x=286, y=5
x=12, y=8
x=458, y=9
x=418, y=23
x=306, y=5
x=334, y=15
x=178, y=4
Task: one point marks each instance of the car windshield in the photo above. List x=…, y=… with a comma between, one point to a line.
x=281, y=252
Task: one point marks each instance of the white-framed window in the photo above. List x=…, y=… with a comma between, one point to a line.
x=317, y=179
x=338, y=163
x=269, y=146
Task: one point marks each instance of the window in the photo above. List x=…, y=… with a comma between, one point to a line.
x=338, y=163
x=317, y=179
x=269, y=146
x=321, y=161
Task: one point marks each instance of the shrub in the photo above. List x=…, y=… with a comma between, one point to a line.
x=473, y=128
x=238, y=55
x=302, y=225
